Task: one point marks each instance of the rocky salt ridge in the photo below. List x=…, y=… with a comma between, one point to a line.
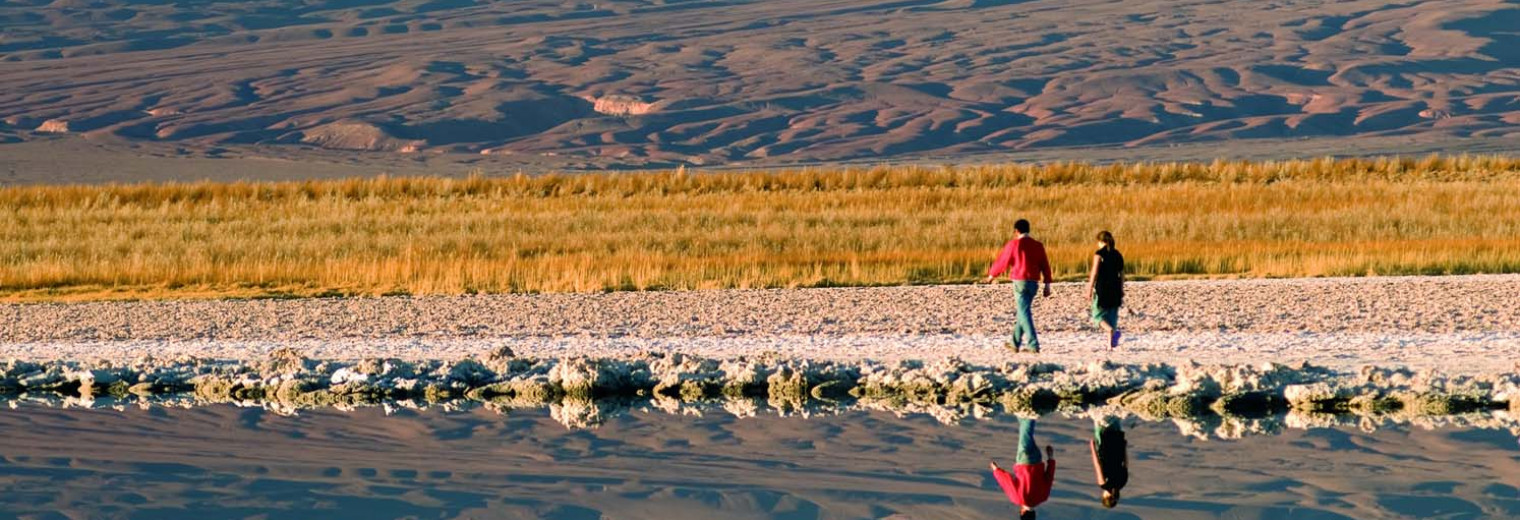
x=1217, y=399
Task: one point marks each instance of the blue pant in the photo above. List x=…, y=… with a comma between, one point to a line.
x=1029, y=451
x=1024, y=307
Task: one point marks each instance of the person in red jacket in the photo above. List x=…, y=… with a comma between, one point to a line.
x=1029, y=484
x=1023, y=258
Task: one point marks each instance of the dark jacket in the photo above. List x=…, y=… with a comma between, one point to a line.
x=1110, y=282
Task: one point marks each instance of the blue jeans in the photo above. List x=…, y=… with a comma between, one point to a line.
x=1024, y=307
x=1029, y=451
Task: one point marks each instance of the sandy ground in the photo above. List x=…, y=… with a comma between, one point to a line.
x=1458, y=324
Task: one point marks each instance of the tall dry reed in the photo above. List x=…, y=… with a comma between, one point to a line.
x=793, y=228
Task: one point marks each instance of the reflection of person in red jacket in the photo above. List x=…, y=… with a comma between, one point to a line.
x=1029, y=484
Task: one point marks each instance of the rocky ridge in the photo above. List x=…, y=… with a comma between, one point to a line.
x=949, y=389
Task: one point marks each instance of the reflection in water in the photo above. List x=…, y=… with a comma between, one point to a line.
x=592, y=413
x=1110, y=455
x=1029, y=484
x=227, y=462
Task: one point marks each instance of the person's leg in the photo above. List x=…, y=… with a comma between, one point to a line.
x=1029, y=451
x=1105, y=423
x=1098, y=429
x=1018, y=324
x=1018, y=311
x=1096, y=313
x=1111, y=317
x=1027, y=292
x=1107, y=319
x=1104, y=318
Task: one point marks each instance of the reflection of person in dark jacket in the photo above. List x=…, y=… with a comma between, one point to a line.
x=1110, y=458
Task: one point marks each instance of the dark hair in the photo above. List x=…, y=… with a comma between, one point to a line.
x=1107, y=239
x=1022, y=226
x=1111, y=499
x=1027, y=515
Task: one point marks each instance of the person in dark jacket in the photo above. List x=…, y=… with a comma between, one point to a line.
x=1110, y=458
x=1105, y=286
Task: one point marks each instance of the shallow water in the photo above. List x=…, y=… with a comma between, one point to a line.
x=229, y=462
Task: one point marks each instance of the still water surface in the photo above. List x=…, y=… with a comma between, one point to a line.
x=227, y=462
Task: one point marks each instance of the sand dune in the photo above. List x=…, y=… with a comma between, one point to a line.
x=640, y=82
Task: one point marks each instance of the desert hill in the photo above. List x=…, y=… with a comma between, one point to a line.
x=648, y=82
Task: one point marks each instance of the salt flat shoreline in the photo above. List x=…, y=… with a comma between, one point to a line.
x=1457, y=324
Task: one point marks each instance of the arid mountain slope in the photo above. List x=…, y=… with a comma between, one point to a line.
x=720, y=81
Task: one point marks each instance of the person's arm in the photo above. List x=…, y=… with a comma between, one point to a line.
x=1050, y=464
x=1092, y=277
x=1004, y=479
x=1004, y=259
x=1097, y=466
x=1045, y=270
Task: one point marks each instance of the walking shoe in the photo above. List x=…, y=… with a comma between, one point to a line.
x=1113, y=339
x=1010, y=346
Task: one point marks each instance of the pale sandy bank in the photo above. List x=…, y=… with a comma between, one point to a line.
x=1462, y=323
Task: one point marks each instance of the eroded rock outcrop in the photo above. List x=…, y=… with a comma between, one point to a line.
x=358, y=135
x=621, y=105
x=54, y=126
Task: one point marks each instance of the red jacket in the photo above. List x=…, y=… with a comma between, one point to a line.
x=1030, y=483
x=1024, y=259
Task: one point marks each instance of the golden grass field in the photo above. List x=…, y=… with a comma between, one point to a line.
x=795, y=228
